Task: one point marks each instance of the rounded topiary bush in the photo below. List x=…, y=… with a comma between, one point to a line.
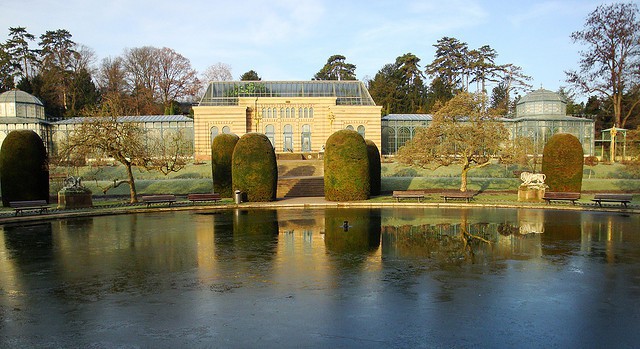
x=254, y=168
x=346, y=167
x=221, y=156
x=23, y=168
x=375, y=167
x=562, y=163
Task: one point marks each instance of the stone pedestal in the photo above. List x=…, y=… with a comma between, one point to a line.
x=528, y=194
x=74, y=198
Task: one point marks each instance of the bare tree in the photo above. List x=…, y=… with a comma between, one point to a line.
x=217, y=72
x=176, y=78
x=105, y=135
x=461, y=132
x=141, y=67
x=609, y=64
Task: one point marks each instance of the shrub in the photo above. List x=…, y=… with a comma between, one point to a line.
x=254, y=168
x=221, y=156
x=375, y=167
x=23, y=168
x=591, y=160
x=346, y=167
x=563, y=162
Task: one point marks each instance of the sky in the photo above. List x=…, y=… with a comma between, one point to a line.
x=292, y=39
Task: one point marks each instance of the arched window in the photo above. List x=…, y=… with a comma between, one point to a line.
x=288, y=113
x=270, y=132
x=306, y=112
x=311, y=112
x=349, y=127
x=282, y=113
x=404, y=135
x=288, y=138
x=388, y=140
x=214, y=133
x=306, y=138
x=226, y=129
x=300, y=112
x=361, y=130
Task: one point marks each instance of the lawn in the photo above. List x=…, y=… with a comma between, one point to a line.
x=196, y=178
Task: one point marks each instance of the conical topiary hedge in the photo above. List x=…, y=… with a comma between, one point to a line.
x=346, y=167
x=24, y=173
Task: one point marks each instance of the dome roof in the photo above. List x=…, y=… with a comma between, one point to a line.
x=19, y=97
x=542, y=95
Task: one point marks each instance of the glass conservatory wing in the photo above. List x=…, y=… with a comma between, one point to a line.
x=221, y=93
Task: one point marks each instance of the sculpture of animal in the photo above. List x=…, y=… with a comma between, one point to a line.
x=529, y=178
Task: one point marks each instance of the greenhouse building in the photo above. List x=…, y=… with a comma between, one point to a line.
x=539, y=115
x=296, y=116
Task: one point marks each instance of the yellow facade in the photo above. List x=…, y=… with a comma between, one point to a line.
x=293, y=124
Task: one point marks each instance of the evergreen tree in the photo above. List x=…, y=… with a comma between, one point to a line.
x=336, y=69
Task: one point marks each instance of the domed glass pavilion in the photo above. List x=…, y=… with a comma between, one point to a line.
x=21, y=111
x=543, y=113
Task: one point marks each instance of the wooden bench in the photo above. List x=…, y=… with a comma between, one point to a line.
x=29, y=205
x=215, y=197
x=408, y=194
x=560, y=196
x=623, y=199
x=459, y=195
x=158, y=199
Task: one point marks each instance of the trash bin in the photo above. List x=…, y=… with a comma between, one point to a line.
x=238, y=196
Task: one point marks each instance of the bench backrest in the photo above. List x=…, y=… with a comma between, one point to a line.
x=408, y=192
x=621, y=197
x=28, y=203
x=561, y=195
x=158, y=197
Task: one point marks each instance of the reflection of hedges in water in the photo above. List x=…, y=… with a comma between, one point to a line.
x=560, y=230
x=256, y=232
x=363, y=234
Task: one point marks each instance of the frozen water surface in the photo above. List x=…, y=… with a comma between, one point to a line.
x=392, y=277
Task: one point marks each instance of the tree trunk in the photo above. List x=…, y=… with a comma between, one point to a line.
x=463, y=177
x=132, y=184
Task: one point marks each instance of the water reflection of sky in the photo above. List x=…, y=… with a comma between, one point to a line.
x=396, y=276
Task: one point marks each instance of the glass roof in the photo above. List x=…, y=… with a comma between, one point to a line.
x=227, y=92
x=17, y=96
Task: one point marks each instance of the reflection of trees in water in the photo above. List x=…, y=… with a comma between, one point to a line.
x=28, y=244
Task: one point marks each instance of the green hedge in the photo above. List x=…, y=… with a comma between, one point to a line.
x=375, y=167
x=563, y=162
x=24, y=173
x=346, y=167
x=254, y=169
x=221, y=156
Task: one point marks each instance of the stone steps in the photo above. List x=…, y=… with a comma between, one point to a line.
x=301, y=187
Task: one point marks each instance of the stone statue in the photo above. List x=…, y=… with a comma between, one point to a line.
x=72, y=182
x=532, y=179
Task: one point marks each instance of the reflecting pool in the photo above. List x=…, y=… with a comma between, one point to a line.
x=391, y=277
